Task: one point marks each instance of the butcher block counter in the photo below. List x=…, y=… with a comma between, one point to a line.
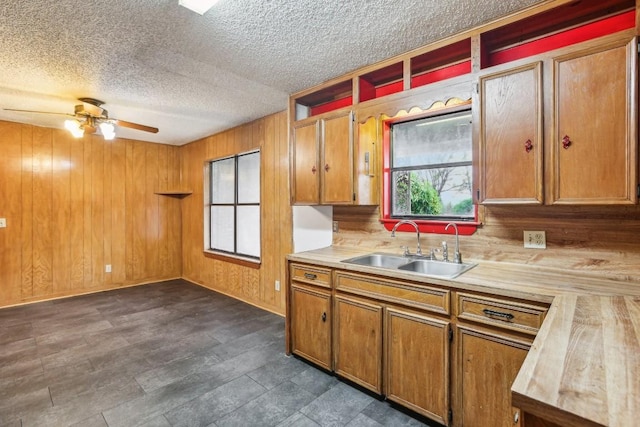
x=583, y=367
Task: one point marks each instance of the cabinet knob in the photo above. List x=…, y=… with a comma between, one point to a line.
x=326, y=167
x=516, y=417
x=313, y=169
x=528, y=146
x=566, y=142
x=324, y=317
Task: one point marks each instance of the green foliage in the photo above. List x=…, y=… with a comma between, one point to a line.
x=425, y=200
x=464, y=207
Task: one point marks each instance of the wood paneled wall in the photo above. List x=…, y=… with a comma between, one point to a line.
x=74, y=205
x=252, y=284
x=598, y=241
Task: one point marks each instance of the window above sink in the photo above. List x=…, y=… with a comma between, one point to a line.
x=428, y=170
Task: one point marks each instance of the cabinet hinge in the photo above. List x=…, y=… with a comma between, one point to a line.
x=450, y=415
x=354, y=197
x=638, y=190
x=478, y=195
x=450, y=334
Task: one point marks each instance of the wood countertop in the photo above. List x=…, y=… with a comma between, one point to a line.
x=583, y=368
x=499, y=278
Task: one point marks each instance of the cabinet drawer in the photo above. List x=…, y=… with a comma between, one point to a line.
x=499, y=312
x=313, y=275
x=405, y=293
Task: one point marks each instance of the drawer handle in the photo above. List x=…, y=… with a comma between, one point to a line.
x=507, y=317
x=310, y=276
x=324, y=317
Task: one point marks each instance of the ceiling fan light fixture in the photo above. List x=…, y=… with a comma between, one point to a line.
x=198, y=6
x=108, y=130
x=75, y=127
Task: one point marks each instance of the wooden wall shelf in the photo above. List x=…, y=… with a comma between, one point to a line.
x=174, y=193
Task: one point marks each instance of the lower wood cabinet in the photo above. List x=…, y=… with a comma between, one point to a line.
x=358, y=342
x=311, y=324
x=488, y=363
x=450, y=356
x=417, y=362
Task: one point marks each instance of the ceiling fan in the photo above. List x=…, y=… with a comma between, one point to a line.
x=90, y=116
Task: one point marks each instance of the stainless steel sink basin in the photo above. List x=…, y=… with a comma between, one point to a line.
x=448, y=270
x=379, y=260
x=425, y=267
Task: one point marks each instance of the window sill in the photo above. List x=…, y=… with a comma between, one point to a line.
x=234, y=259
x=465, y=228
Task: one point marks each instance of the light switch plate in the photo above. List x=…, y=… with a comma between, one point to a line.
x=3, y=222
x=535, y=240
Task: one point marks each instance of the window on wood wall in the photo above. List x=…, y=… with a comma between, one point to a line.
x=234, y=206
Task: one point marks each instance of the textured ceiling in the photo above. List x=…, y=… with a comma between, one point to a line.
x=159, y=64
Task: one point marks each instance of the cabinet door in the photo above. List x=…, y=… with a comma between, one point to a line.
x=367, y=168
x=417, y=363
x=594, y=145
x=511, y=150
x=311, y=325
x=337, y=160
x=487, y=366
x=358, y=342
x=305, y=174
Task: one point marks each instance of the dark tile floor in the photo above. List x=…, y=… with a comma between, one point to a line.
x=167, y=354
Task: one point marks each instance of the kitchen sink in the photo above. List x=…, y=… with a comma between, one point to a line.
x=379, y=260
x=412, y=264
x=448, y=270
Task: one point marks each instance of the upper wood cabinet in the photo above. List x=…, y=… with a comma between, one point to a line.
x=593, y=147
x=588, y=115
x=510, y=142
x=322, y=161
x=367, y=150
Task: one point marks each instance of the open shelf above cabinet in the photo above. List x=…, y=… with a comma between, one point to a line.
x=327, y=99
x=556, y=28
x=381, y=82
x=535, y=31
x=440, y=64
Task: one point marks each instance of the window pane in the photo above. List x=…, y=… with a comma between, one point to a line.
x=433, y=140
x=223, y=181
x=222, y=228
x=249, y=178
x=444, y=192
x=248, y=232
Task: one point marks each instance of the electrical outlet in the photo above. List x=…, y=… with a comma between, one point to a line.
x=277, y=285
x=3, y=222
x=107, y=268
x=535, y=239
x=336, y=227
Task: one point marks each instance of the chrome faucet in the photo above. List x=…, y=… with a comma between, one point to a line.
x=457, y=258
x=406, y=221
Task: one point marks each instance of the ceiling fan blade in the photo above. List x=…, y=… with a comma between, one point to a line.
x=135, y=126
x=39, y=112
